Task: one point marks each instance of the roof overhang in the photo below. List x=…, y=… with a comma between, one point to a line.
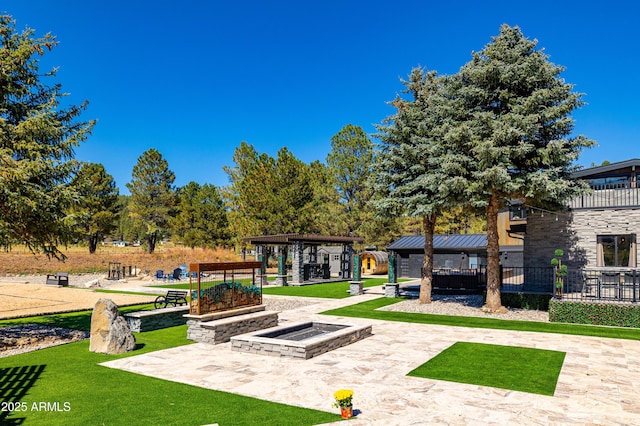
x=306, y=238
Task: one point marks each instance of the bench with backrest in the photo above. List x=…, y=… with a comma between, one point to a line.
x=59, y=279
x=172, y=298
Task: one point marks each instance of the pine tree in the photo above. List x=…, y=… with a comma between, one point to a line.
x=97, y=213
x=152, y=197
x=267, y=195
x=414, y=175
x=513, y=128
x=201, y=219
x=37, y=142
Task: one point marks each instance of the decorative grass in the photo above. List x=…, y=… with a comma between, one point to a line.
x=369, y=308
x=505, y=367
x=81, y=392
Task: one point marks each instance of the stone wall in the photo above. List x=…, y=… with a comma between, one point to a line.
x=221, y=330
x=576, y=233
x=157, y=319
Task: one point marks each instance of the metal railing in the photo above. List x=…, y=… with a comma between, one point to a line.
x=601, y=285
x=604, y=196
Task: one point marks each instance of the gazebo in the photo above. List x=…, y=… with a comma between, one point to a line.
x=302, y=272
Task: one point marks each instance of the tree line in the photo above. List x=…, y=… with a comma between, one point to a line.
x=458, y=146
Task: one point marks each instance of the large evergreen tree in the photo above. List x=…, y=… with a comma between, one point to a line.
x=414, y=174
x=510, y=110
x=201, y=219
x=96, y=214
x=268, y=195
x=152, y=197
x=37, y=142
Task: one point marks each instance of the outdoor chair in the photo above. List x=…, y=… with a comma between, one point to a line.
x=631, y=286
x=177, y=274
x=590, y=285
x=160, y=275
x=610, y=284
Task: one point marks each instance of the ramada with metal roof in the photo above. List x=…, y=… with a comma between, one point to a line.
x=454, y=242
x=458, y=251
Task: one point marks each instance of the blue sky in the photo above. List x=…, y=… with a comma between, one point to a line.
x=195, y=78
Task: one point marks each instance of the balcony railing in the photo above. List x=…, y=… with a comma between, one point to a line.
x=607, y=196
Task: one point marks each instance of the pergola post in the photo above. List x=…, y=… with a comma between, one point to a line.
x=345, y=261
x=355, y=287
x=297, y=260
x=261, y=256
x=281, y=280
x=392, y=288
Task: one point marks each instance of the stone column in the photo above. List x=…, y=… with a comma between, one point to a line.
x=282, y=271
x=297, y=259
x=345, y=261
x=392, y=288
x=356, y=288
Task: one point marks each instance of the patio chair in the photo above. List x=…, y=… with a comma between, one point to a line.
x=177, y=274
x=631, y=286
x=610, y=284
x=590, y=285
x=160, y=275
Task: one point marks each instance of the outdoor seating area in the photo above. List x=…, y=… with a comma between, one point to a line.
x=612, y=285
x=179, y=273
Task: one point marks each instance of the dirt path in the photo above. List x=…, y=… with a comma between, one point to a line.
x=26, y=299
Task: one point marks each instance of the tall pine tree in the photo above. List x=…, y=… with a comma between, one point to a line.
x=512, y=125
x=152, y=197
x=96, y=214
x=37, y=142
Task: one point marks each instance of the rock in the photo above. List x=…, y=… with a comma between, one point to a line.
x=110, y=333
x=92, y=283
x=500, y=310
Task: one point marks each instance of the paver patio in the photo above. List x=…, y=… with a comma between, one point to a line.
x=599, y=382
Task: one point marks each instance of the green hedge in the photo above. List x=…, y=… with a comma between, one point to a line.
x=594, y=313
x=538, y=302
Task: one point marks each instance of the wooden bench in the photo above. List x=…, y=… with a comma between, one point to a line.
x=59, y=279
x=172, y=298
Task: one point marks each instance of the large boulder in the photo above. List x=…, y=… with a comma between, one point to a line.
x=110, y=333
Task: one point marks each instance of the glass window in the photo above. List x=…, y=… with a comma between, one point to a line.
x=616, y=250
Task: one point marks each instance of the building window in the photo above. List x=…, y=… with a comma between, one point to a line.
x=517, y=213
x=616, y=250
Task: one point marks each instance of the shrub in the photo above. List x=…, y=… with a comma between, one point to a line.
x=538, y=302
x=594, y=313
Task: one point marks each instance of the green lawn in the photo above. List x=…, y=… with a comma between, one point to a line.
x=68, y=387
x=521, y=369
x=369, y=310
x=337, y=290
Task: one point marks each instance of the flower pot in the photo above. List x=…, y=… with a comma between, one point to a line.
x=346, y=412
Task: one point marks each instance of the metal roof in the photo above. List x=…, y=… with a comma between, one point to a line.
x=309, y=238
x=634, y=162
x=442, y=242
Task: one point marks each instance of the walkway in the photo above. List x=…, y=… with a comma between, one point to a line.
x=599, y=383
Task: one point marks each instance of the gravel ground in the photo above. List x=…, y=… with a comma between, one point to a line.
x=468, y=306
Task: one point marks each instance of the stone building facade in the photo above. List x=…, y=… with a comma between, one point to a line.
x=598, y=230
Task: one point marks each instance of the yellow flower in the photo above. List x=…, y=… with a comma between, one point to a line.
x=343, y=398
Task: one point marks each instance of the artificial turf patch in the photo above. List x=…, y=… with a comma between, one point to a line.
x=505, y=367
